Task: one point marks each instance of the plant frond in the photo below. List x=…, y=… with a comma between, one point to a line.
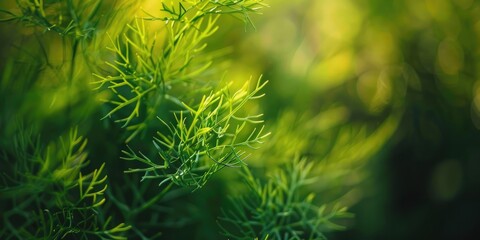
x=280, y=208
x=144, y=72
x=48, y=190
x=202, y=139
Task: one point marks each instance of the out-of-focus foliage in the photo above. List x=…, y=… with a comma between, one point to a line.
x=326, y=101
x=374, y=70
x=45, y=195
x=278, y=209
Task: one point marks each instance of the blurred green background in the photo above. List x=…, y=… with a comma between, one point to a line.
x=407, y=71
x=383, y=95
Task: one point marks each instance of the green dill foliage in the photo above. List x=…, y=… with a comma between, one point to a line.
x=177, y=121
x=168, y=66
x=75, y=18
x=280, y=208
x=203, y=139
x=45, y=195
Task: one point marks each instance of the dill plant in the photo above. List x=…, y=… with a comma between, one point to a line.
x=279, y=209
x=154, y=96
x=44, y=193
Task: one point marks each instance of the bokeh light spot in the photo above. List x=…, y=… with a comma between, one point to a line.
x=450, y=56
x=446, y=180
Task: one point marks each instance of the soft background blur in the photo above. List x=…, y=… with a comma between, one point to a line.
x=383, y=95
x=406, y=73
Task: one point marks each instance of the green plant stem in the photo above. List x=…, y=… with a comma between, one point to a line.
x=153, y=200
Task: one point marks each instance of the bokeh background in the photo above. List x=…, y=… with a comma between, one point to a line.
x=392, y=85
x=383, y=95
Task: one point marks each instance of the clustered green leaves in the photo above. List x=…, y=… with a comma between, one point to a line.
x=280, y=208
x=46, y=193
x=145, y=73
x=70, y=17
x=203, y=139
x=179, y=121
x=203, y=136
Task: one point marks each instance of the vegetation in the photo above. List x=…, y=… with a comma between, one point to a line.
x=237, y=119
x=178, y=118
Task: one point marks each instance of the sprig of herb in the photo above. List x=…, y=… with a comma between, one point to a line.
x=280, y=208
x=203, y=139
